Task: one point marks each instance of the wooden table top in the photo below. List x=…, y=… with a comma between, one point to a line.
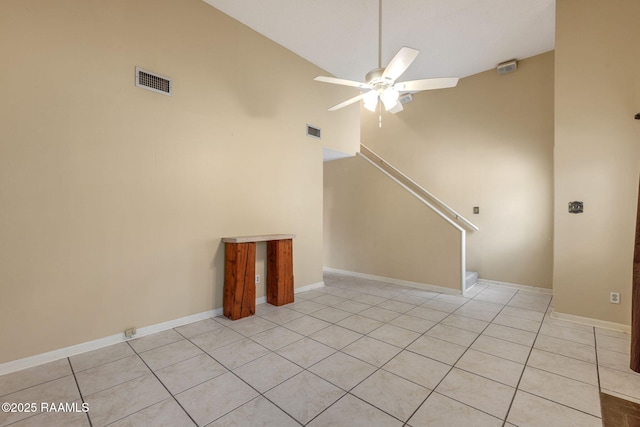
x=261, y=238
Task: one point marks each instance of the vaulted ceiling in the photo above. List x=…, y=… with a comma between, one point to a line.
x=456, y=38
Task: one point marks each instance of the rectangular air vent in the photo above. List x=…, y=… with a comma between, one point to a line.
x=152, y=81
x=507, y=67
x=313, y=131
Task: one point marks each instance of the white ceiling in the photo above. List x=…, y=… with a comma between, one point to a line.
x=456, y=38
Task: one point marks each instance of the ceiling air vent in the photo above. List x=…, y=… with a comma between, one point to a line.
x=151, y=81
x=313, y=131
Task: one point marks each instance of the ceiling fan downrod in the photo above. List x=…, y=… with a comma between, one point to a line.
x=379, y=33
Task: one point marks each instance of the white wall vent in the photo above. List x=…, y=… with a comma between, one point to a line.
x=313, y=131
x=152, y=81
x=507, y=67
x=406, y=98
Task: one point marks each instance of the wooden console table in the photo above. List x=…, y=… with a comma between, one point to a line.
x=240, y=271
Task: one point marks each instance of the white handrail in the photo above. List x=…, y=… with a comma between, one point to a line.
x=422, y=199
x=463, y=245
x=365, y=152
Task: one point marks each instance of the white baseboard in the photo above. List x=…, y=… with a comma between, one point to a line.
x=603, y=324
x=474, y=290
x=554, y=315
x=562, y=316
x=39, y=359
x=51, y=356
x=423, y=286
x=516, y=286
x=309, y=287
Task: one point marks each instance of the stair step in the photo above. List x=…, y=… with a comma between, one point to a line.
x=470, y=279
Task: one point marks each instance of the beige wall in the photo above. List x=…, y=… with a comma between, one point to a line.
x=596, y=155
x=374, y=226
x=113, y=198
x=488, y=143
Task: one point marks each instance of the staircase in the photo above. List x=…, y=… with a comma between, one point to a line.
x=414, y=188
x=470, y=279
x=467, y=278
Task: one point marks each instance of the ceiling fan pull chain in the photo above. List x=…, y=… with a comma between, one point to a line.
x=380, y=115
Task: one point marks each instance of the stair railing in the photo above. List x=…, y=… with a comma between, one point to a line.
x=442, y=209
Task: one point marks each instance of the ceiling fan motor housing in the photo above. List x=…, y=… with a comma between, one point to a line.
x=374, y=75
x=376, y=79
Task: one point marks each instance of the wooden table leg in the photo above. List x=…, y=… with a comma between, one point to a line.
x=280, y=272
x=239, y=280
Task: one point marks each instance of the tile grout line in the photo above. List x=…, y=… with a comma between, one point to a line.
x=160, y=381
x=433, y=390
x=38, y=384
x=353, y=314
x=79, y=391
x=530, y=350
x=525, y=364
x=463, y=353
x=260, y=394
x=302, y=367
x=468, y=347
x=595, y=349
x=378, y=368
x=221, y=364
x=348, y=392
x=561, y=375
x=541, y=397
x=363, y=335
x=386, y=298
x=114, y=385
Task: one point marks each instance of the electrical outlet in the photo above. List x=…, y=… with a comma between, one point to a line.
x=257, y=279
x=614, y=297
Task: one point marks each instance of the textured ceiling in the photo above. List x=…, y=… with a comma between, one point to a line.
x=456, y=38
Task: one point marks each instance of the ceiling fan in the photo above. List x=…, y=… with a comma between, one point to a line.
x=381, y=87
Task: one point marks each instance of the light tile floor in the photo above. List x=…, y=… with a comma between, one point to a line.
x=354, y=353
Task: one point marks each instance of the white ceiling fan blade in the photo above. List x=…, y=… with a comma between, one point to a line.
x=400, y=63
x=347, y=102
x=426, y=84
x=397, y=108
x=343, y=82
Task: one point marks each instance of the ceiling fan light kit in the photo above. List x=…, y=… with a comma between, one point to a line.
x=389, y=98
x=370, y=100
x=381, y=87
